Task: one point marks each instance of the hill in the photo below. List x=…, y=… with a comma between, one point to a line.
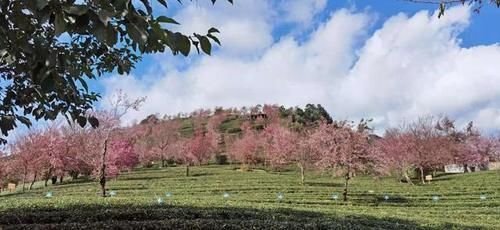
x=233, y=118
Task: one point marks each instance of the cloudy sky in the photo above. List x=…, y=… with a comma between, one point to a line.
x=388, y=60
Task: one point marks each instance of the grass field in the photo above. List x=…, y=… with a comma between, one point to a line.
x=252, y=202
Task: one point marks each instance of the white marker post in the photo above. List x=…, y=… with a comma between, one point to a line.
x=48, y=195
x=280, y=196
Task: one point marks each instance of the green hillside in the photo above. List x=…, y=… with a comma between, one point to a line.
x=252, y=201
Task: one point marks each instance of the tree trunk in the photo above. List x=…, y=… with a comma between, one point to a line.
x=54, y=179
x=422, y=177
x=47, y=177
x=33, y=182
x=102, y=176
x=466, y=168
x=187, y=170
x=302, y=177
x=61, y=179
x=347, y=177
x=407, y=178
x=74, y=175
x=24, y=179
x=162, y=162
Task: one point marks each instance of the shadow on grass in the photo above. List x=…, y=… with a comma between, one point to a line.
x=441, y=179
x=146, y=178
x=323, y=184
x=200, y=174
x=391, y=199
x=72, y=183
x=116, y=188
x=184, y=217
x=15, y=193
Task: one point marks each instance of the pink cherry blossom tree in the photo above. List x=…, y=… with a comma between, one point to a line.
x=478, y=150
x=305, y=156
x=213, y=129
x=202, y=145
x=37, y=152
x=22, y=151
x=429, y=146
x=121, y=157
x=183, y=153
x=163, y=135
x=77, y=147
x=394, y=155
x=247, y=149
x=200, y=148
x=280, y=145
x=342, y=148
x=99, y=139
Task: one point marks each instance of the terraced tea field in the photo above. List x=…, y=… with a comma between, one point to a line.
x=223, y=197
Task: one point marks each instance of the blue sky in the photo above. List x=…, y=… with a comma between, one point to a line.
x=482, y=30
x=390, y=60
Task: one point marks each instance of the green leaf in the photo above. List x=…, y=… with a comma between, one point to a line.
x=215, y=39
x=77, y=10
x=182, y=44
x=94, y=122
x=40, y=4
x=163, y=2
x=105, y=16
x=28, y=110
x=7, y=122
x=136, y=33
x=148, y=6
x=99, y=32
x=82, y=121
x=60, y=24
x=165, y=19
x=38, y=113
x=213, y=30
x=111, y=36
x=24, y=120
x=442, y=8
x=84, y=84
x=205, y=44
x=48, y=82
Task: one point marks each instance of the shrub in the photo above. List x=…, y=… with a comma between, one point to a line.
x=221, y=159
x=234, y=130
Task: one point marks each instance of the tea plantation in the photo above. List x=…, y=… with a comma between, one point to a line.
x=223, y=197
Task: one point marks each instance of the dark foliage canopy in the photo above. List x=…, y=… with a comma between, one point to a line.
x=49, y=49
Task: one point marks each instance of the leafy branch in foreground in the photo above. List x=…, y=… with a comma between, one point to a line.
x=49, y=49
x=443, y=4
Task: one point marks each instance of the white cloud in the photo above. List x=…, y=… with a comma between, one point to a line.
x=246, y=26
x=302, y=11
x=412, y=65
